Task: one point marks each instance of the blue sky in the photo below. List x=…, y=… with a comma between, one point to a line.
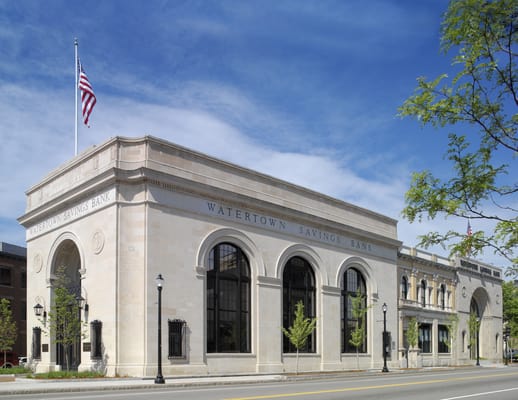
x=305, y=91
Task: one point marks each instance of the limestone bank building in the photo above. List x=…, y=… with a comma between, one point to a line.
x=237, y=250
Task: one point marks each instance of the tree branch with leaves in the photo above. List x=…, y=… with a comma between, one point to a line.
x=480, y=101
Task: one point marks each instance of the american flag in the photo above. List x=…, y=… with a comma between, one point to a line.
x=469, y=232
x=88, y=99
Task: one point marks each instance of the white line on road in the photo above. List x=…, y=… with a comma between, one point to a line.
x=480, y=394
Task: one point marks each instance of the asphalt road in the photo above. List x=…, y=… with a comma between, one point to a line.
x=476, y=384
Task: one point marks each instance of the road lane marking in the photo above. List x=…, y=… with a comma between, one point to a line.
x=362, y=388
x=481, y=394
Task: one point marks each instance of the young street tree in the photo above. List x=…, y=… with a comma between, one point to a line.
x=8, y=330
x=359, y=311
x=480, y=103
x=510, y=310
x=474, y=328
x=299, y=332
x=63, y=321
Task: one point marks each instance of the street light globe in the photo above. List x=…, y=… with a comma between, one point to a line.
x=159, y=280
x=384, y=307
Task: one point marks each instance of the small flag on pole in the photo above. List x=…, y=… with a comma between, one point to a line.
x=88, y=99
x=469, y=233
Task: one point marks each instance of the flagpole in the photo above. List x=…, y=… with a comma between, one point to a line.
x=76, y=44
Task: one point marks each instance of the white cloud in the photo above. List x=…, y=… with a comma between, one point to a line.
x=38, y=137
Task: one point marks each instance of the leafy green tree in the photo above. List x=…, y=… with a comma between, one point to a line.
x=412, y=333
x=510, y=308
x=452, y=326
x=473, y=327
x=299, y=332
x=8, y=330
x=479, y=101
x=359, y=312
x=63, y=320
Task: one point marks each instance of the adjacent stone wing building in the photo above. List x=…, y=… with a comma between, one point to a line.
x=237, y=250
x=457, y=306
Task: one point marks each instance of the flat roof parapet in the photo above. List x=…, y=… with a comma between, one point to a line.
x=13, y=249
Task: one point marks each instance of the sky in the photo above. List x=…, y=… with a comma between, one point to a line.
x=304, y=91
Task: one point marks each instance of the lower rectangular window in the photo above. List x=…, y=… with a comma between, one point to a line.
x=425, y=335
x=36, y=343
x=96, y=352
x=176, y=328
x=444, y=339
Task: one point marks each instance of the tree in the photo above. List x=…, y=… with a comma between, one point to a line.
x=412, y=333
x=473, y=326
x=480, y=102
x=8, y=331
x=412, y=338
x=452, y=326
x=63, y=320
x=359, y=311
x=299, y=332
x=510, y=307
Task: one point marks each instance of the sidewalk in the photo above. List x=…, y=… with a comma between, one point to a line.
x=22, y=385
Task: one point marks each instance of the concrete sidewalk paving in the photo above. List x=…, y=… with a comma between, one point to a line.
x=22, y=385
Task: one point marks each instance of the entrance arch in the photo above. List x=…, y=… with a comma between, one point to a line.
x=478, y=309
x=65, y=273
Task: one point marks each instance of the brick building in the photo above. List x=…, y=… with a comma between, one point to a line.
x=13, y=286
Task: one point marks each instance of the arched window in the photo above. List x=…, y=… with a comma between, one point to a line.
x=443, y=296
x=423, y=293
x=298, y=285
x=353, y=286
x=404, y=287
x=473, y=308
x=228, y=300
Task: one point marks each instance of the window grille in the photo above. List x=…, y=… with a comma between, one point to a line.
x=36, y=343
x=96, y=351
x=176, y=338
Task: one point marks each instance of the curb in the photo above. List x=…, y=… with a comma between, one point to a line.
x=7, y=378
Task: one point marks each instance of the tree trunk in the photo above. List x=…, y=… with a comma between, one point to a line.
x=297, y=363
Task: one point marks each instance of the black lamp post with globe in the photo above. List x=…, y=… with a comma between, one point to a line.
x=385, y=341
x=159, y=283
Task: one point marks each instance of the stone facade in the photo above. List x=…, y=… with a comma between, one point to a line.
x=127, y=210
x=442, y=293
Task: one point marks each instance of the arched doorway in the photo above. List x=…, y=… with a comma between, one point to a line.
x=474, y=329
x=65, y=315
x=478, y=309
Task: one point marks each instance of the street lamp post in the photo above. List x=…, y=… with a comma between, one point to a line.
x=159, y=282
x=384, y=308
x=478, y=342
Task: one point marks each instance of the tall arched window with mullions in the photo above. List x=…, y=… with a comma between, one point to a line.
x=298, y=283
x=353, y=286
x=404, y=287
x=228, y=300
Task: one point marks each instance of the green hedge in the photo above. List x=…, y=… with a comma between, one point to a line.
x=14, y=370
x=67, y=375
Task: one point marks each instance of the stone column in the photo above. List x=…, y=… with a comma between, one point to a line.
x=268, y=330
x=329, y=328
